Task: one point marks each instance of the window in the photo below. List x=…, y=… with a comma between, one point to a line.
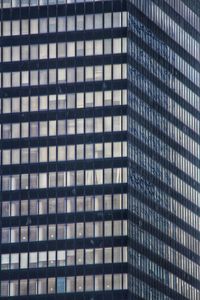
x=79, y=257
x=107, y=46
x=70, y=23
x=14, y=238
x=34, y=26
x=61, y=258
x=43, y=50
x=61, y=24
x=89, y=256
x=14, y=288
x=15, y=27
x=117, y=281
x=61, y=49
x=43, y=25
x=88, y=73
x=24, y=26
x=98, y=47
x=52, y=24
x=52, y=232
x=79, y=284
x=98, y=283
x=24, y=234
x=43, y=76
x=70, y=75
x=117, y=46
x=98, y=21
x=107, y=20
x=61, y=231
x=6, y=54
x=34, y=52
x=33, y=233
x=32, y=286
x=51, y=285
x=61, y=285
x=15, y=79
x=52, y=51
x=79, y=22
x=88, y=47
x=116, y=19
x=98, y=256
x=23, y=260
x=89, y=283
x=70, y=284
x=42, y=259
x=42, y=286
x=5, y=262
x=33, y=260
x=51, y=258
x=6, y=79
x=108, y=282
x=42, y=233
x=80, y=230
x=14, y=208
x=24, y=52
x=70, y=257
x=6, y=28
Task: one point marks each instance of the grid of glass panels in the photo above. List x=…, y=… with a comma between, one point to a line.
x=163, y=149
x=63, y=149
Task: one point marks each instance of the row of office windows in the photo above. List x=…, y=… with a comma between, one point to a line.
x=64, y=75
x=183, y=115
x=39, y=286
x=25, y=3
x=189, y=15
x=61, y=258
x=163, y=250
x=67, y=231
x=159, y=120
x=157, y=170
x=164, y=50
x=63, y=127
x=175, y=132
x=145, y=291
x=164, y=225
x=184, y=213
x=164, y=75
x=63, y=24
x=150, y=63
x=158, y=95
x=165, y=150
x=159, y=197
x=63, y=205
x=64, y=179
x=166, y=176
x=186, y=166
x=63, y=50
x=167, y=153
x=63, y=153
x=63, y=101
x=147, y=266
x=170, y=27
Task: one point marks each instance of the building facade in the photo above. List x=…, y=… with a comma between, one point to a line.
x=64, y=150
x=163, y=149
x=100, y=150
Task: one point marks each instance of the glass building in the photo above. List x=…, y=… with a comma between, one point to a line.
x=164, y=149
x=63, y=150
x=100, y=149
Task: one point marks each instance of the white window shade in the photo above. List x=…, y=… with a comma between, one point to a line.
x=43, y=180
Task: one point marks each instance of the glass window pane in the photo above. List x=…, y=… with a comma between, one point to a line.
x=61, y=285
